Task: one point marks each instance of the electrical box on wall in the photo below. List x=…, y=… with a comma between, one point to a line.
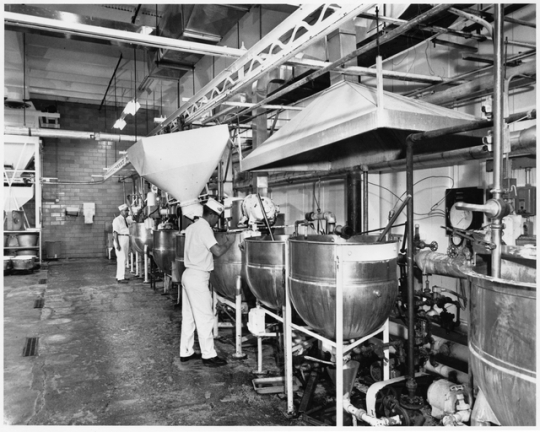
x=526, y=201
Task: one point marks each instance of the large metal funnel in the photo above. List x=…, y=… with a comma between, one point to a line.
x=369, y=287
x=180, y=163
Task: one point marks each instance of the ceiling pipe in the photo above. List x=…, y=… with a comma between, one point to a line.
x=57, y=133
x=476, y=85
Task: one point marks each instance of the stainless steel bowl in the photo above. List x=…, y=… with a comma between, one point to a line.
x=369, y=286
x=140, y=236
x=163, y=249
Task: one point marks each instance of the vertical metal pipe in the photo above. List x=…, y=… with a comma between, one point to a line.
x=287, y=333
x=498, y=125
x=365, y=213
x=340, y=264
x=354, y=201
x=239, y=353
x=259, y=355
x=410, y=259
x=146, y=268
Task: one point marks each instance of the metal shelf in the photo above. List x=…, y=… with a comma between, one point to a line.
x=21, y=247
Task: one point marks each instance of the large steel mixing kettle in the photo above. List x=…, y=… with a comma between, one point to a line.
x=265, y=264
x=369, y=284
x=502, y=343
x=228, y=267
x=163, y=249
x=140, y=237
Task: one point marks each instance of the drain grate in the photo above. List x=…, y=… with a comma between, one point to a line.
x=39, y=303
x=30, y=347
x=42, y=281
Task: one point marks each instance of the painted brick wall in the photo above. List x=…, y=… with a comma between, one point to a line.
x=73, y=162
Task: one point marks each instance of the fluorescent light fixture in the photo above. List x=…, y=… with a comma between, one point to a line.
x=119, y=124
x=202, y=36
x=132, y=107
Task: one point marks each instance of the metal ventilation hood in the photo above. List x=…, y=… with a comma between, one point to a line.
x=344, y=127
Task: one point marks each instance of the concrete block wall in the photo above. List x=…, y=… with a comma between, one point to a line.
x=73, y=162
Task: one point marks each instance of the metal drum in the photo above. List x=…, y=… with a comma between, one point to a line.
x=164, y=249
x=370, y=283
x=180, y=241
x=228, y=266
x=502, y=343
x=28, y=239
x=140, y=236
x=265, y=265
x=22, y=263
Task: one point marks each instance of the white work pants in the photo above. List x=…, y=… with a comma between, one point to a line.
x=197, y=312
x=122, y=257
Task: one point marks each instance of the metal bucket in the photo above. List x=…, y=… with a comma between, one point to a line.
x=140, y=236
x=228, y=266
x=370, y=283
x=11, y=240
x=502, y=343
x=28, y=239
x=163, y=249
x=180, y=241
x=22, y=263
x=14, y=220
x=26, y=252
x=265, y=265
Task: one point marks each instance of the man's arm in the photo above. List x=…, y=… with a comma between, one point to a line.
x=115, y=240
x=218, y=250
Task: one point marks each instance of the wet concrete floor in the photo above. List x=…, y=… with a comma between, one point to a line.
x=108, y=354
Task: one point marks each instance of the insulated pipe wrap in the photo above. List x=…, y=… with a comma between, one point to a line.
x=441, y=264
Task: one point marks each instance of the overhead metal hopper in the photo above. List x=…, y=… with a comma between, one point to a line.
x=180, y=163
x=345, y=126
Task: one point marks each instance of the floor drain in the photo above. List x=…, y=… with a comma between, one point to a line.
x=39, y=303
x=42, y=281
x=30, y=347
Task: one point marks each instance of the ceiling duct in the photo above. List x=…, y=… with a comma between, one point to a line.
x=346, y=126
x=204, y=23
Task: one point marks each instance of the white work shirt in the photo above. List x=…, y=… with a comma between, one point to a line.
x=120, y=225
x=199, y=239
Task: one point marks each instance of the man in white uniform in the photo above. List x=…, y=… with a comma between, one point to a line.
x=121, y=243
x=197, y=307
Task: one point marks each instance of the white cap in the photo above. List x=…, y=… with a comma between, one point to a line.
x=123, y=207
x=214, y=206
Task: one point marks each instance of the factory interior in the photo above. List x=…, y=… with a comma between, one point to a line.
x=374, y=167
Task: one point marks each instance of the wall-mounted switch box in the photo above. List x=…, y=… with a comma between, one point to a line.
x=526, y=200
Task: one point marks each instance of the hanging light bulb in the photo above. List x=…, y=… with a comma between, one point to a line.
x=132, y=107
x=119, y=124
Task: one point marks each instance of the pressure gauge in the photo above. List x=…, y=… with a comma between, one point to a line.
x=461, y=219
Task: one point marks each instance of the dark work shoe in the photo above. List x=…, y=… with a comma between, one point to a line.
x=194, y=356
x=122, y=281
x=214, y=362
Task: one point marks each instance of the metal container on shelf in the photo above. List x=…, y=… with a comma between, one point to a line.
x=14, y=220
x=27, y=252
x=265, y=265
x=28, y=239
x=11, y=241
x=179, y=241
x=163, y=248
x=22, y=262
x=140, y=236
x=228, y=266
x=370, y=285
x=8, y=264
x=502, y=343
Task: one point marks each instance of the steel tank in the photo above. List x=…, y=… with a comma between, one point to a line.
x=370, y=284
x=140, y=236
x=265, y=266
x=228, y=266
x=502, y=345
x=179, y=241
x=163, y=249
